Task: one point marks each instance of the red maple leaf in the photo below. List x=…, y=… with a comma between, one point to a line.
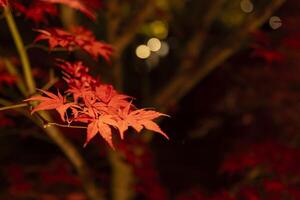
x=96, y=4
x=249, y=193
x=5, y=121
x=273, y=186
x=139, y=119
x=102, y=125
x=97, y=105
x=78, y=37
x=37, y=11
x=56, y=37
x=7, y=78
x=270, y=56
x=76, y=4
x=51, y=102
x=3, y=3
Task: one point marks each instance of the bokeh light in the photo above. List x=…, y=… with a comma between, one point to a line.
x=154, y=44
x=275, y=22
x=164, y=49
x=152, y=61
x=142, y=51
x=159, y=29
x=247, y=6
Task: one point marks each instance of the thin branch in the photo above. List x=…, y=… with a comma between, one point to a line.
x=183, y=82
x=133, y=27
x=121, y=42
x=54, y=133
x=195, y=45
x=13, y=71
x=14, y=106
x=75, y=158
x=21, y=50
x=114, y=18
x=50, y=84
x=123, y=180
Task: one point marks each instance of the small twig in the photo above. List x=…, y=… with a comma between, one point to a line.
x=50, y=83
x=133, y=26
x=93, y=192
x=48, y=124
x=14, y=106
x=195, y=45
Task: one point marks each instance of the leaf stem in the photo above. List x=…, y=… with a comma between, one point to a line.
x=21, y=49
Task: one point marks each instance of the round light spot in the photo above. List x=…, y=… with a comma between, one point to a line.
x=275, y=22
x=164, y=49
x=142, y=51
x=152, y=61
x=247, y=6
x=154, y=44
x=159, y=29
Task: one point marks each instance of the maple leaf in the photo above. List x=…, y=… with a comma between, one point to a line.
x=96, y=49
x=119, y=101
x=270, y=56
x=74, y=69
x=5, y=121
x=7, y=78
x=144, y=117
x=97, y=105
x=86, y=40
x=76, y=4
x=139, y=119
x=94, y=3
x=102, y=125
x=51, y=102
x=56, y=37
x=273, y=186
x=249, y=193
x=3, y=3
x=37, y=11
x=78, y=37
x=104, y=92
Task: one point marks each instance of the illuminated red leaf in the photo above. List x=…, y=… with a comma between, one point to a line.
x=3, y=3
x=78, y=37
x=37, y=11
x=273, y=186
x=270, y=56
x=139, y=119
x=7, y=78
x=76, y=4
x=97, y=105
x=56, y=38
x=101, y=126
x=51, y=102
